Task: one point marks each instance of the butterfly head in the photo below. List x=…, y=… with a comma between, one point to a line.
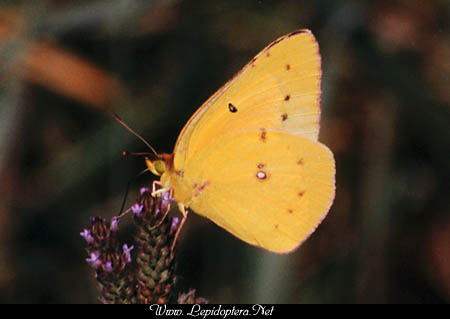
x=162, y=164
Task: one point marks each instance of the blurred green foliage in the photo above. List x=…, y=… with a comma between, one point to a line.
x=65, y=66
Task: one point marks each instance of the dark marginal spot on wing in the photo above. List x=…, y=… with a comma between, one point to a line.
x=287, y=97
x=288, y=67
x=300, y=194
x=277, y=41
x=232, y=108
x=276, y=226
x=263, y=135
x=296, y=32
x=285, y=37
x=290, y=211
x=268, y=54
x=300, y=162
x=284, y=116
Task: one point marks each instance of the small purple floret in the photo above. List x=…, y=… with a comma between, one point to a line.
x=114, y=223
x=108, y=266
x=137, y=209
x=86, y=234
x=126, y=251
x=94, y=260
x=166, y=200
x=174, y=225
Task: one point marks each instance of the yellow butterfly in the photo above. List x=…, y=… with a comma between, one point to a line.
x=249, y=159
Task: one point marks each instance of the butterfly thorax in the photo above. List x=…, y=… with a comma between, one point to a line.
x=181, y=192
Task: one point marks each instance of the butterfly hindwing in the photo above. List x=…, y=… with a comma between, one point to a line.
x=268, y=188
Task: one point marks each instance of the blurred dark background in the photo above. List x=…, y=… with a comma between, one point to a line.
x=66, y=65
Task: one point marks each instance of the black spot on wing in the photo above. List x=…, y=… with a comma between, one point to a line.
x=232, y=108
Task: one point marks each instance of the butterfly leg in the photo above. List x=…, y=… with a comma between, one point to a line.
x=185, y=212
x=157, y=192
x=166, y=198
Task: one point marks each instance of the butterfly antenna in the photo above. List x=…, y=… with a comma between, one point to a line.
x=118, y=119
x=126, y=153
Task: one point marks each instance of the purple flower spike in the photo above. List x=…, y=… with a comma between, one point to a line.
x=137, y=209
x=114, y=223
x=86, y=234
x=94, y=260
x=126, y=252
x=144, y=190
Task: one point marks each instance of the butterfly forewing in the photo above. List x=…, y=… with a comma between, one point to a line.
x=279, y=89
